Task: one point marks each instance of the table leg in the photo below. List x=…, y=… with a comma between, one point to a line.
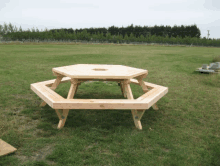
x=154, y=106
x=137, y=114
x=58, y=114
x=63, y=119
x=54, y=86
x=72, y=90
x=145, y=89
x=143, y=86
x=65, y=112
x=77, y=87
x=122, y=89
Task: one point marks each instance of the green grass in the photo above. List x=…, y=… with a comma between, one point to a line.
x=184, y=131
x=216, y=59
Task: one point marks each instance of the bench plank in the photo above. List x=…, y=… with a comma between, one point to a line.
x=99, y=104
x=153, y=96
x=58, y=102
x=46, y=94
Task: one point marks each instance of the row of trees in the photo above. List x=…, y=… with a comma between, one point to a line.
x=12, y=33
x=163, y=31
x=137, y=31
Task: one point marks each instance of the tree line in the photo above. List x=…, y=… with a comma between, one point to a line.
x=163, y=31
x=10, y=32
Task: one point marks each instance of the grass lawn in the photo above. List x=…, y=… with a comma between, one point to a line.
x=184, y=131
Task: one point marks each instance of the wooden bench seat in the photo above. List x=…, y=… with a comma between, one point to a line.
x=152, y=93
x=46, y=94
x=56, y=101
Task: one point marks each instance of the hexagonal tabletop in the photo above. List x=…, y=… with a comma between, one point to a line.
x=97, y=71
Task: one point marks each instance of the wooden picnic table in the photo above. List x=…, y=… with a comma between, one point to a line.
x=79, y=73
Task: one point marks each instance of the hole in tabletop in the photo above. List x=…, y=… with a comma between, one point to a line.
x=99, y=69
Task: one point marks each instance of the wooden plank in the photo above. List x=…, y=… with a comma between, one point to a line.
x=42, y=93
x=134, y=112
x=155, y=95
x=63, y=120
x=50, y=82
x=117, y=80
x=74, y=84
x=150, y=92
x=140, y=113
x=58, y=114
x=54, y=86
x=122, y=90
x=149, y=85
x=56, y=74
x=67, y=79
x=142, y=84
x=97, y=71
x=46, y=94
x=141, y=76
x=99, y=104
x=128, y=91
x=56, y=83
x=73, y=87
x=6, y=148
x=77, y=87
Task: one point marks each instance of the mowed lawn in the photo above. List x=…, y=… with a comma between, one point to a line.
x=184, y=131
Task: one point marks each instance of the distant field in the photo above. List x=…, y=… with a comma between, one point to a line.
x=184, y=131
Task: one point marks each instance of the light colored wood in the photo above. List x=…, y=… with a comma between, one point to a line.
x=53, y=87
x=58, y=114
x=149, y=85
x=84, y=72
x=141, y=76
x=49, y=83
x=154, y=96
x=72, y=90
x=122, y=104
x=149, y=93
x=63, y=119
x=6, y=148
x=154, y=106
x=137, y=115
x=128, y=90
x=142, y=84
x=122, y=91
x=145, y=89
x=97, y=71
x=116, y=80
x=74, y=83
x=56, y=74
x=129, y=95
x=58, y=102
x=46, y=94
x=56, y=83
x=77, y=87
x=140, y=113
x=67, y=79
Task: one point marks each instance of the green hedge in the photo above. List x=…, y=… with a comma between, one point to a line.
x=84, y=35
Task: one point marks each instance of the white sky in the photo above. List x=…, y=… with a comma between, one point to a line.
x=102, y=13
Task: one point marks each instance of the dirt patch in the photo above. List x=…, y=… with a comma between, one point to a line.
x=39, y=155
x=27, y=125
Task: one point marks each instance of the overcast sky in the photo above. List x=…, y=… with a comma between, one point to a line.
x=102, y=13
